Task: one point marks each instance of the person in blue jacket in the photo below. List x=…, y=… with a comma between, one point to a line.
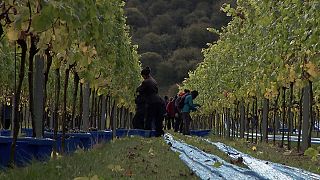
x=187, y=108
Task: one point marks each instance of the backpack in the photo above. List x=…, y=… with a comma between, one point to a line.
x=180, y=101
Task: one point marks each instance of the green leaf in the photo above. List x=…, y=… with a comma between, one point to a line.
x=43, y=20
x=217, y=164
x=311, y=152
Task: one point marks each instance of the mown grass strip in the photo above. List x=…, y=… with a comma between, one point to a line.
x=128, y=158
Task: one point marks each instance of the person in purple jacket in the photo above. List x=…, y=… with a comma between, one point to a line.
x=187, y=108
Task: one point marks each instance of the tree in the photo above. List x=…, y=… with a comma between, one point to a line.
x=166, y=74
x=203, y=7
x=151, y=59
x=172, y=25
x=135, y=18
x=184, y=4
x=183, y=60
x=133, y=4
x=163, y=24
x=197, y=35
x=157, y=8
x=150, y=42
x=178, y=16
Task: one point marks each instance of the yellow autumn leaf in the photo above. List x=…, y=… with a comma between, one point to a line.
x=267, y=94
x=292, y=75
x=58, y=156
x=299, y=83
x=308, y=52
x=89, y=60
x=280, y=79
x=115, y=168
x=118, y=168
x=93, y=52
x=312, y=70
x=251, y=93
x=82, y=80
x=254, y=148
x=12, y=34
x=84, y=49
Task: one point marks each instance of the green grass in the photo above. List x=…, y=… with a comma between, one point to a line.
x=128, y=158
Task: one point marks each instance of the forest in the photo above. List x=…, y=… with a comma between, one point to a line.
x=171, y=34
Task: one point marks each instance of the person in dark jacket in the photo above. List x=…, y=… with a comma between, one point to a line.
x=154, y=104
x=138, y=119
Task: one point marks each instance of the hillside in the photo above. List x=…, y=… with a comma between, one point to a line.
x=171, y=34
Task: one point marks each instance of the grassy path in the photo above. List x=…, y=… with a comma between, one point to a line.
x=128, y=158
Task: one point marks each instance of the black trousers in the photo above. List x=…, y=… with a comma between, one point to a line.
x=154, y=118
x=169, y=122
x=186, y=123
x=138, y=120
x=178, y=124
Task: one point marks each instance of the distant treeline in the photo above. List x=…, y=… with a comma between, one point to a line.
x=171, y=34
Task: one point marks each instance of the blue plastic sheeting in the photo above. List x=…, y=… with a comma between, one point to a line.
x=101, y=136
x=40, y=149
x=5, y=144
x=266, y=169
x=279, y=138
x=5, y=132
x=121, y=132
x=84, y=139
x=26, y=150
x=140, y=132
x=71, y=142
x=202, y=163
x=200, y=133
x=27, y=131
x=135, y=132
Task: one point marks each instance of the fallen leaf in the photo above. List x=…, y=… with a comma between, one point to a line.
x=115, y=168
x=81, y=178
x=118, y=168
x=110, y=166
x=129, y=173
x=254, y=148
x=217, y=164
x=151, y=152
x=287, y=153
x=95, y=177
